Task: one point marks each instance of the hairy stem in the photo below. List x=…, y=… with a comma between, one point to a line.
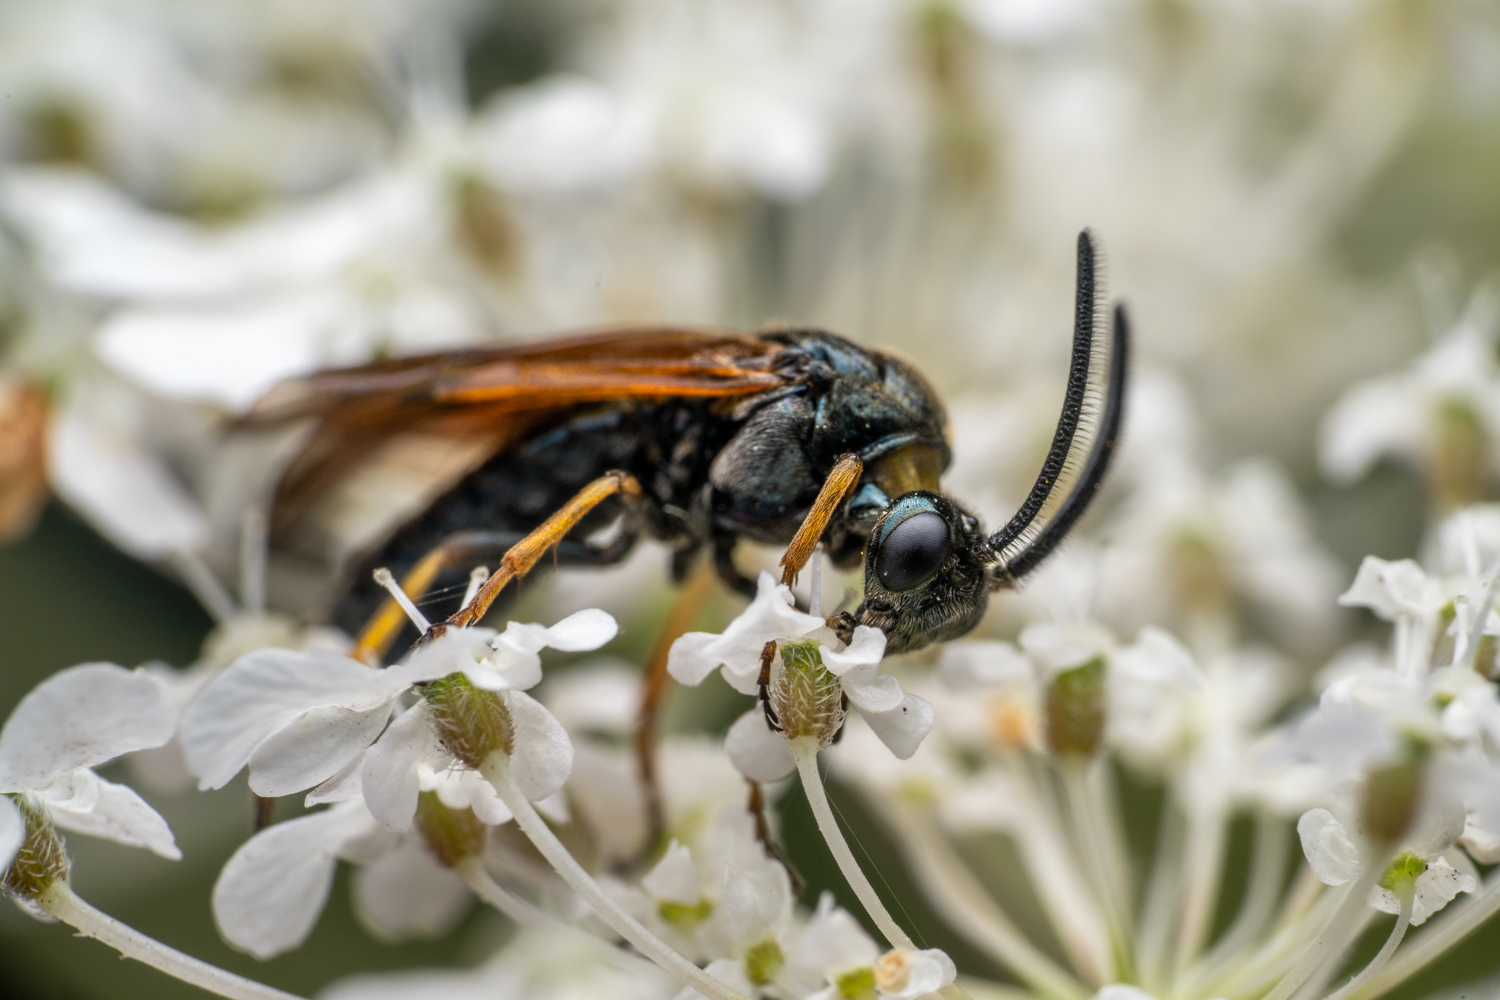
x=496, y=770
x=59, y=901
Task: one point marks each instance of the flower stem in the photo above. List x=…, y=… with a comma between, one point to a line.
x=1334, y=936
x=496, y=769
x=477, y=879
x=1403, y=921
x=1450, y=927
x=805, y=753
x=956, y=894
x=1088, y=826
x=59, y=901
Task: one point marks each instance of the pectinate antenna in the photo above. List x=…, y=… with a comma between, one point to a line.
x=1049, y=512
x=1084, y=337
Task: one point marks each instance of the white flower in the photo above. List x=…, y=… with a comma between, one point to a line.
x=73, y=721
x=1336, y=855
x=834, y=944
x=773, y=615
x=1403, y=414
x=1393, y=590
x=900, y=720
x=297, y=718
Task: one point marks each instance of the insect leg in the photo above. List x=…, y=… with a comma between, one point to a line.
x=840, y=482
x=654, y=687
x=519, y=559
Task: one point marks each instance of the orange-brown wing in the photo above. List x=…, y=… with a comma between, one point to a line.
x=396, y=434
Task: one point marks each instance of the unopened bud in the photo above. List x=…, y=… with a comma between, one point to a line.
x=1075, y=710
x=471, y=722
x=808, y=699
x=452, y=835
x=41, y=860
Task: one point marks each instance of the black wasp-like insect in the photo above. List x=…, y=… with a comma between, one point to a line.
x=699, y=438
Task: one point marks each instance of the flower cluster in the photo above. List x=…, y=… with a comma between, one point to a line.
x=197, y=204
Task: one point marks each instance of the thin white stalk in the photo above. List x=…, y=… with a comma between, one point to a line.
x=1073, y=912
x=1087, y=834
x=1105, y=811
x=1403, y=921
x=1332, y=939
x=955, y=893
x=486, y=888
x=1457, y=921
x=1264, y=885
x=1162, y=895
x=1202, y=866
x=59, y=901
x=204, y=585
x=1252, y=974
x=385, y=579
x=805, y=753
x=253, y=562
x=477, y=576
x=496, y=770
x=815, y=582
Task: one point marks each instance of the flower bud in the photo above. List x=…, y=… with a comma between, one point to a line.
x=41, y=860
x=808, y=699
x=452, y=835
x=471, y=722
x=1075, y=710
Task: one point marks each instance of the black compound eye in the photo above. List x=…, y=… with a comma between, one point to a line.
x=913, y=551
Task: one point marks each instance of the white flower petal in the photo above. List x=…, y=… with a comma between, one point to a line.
x=121, y=489
x=833, y=941
x=1390, y=589
x=756, y=751
x=272, y=889
x=901, y=974
x=1436, y=888
x=772, y=615
x=880, y=693
x=1331, y=854
x=582, y=631
x=389, y=776
x=675, y=877
x=866, y=649
x=265, y=691
x=690, y=659
x=340, y=788
x=542, y=756
x=506, y=668
x=456, y=650
x=407, y=894
x=81, y=717
x=727, y=971
x=117, y=814
x=12, y=831
x=903, y=728
x=314, y=747
x=753, y=900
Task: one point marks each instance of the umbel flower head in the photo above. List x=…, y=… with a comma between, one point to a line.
x=811, y=675
x=69, y=724
x=407, y=804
